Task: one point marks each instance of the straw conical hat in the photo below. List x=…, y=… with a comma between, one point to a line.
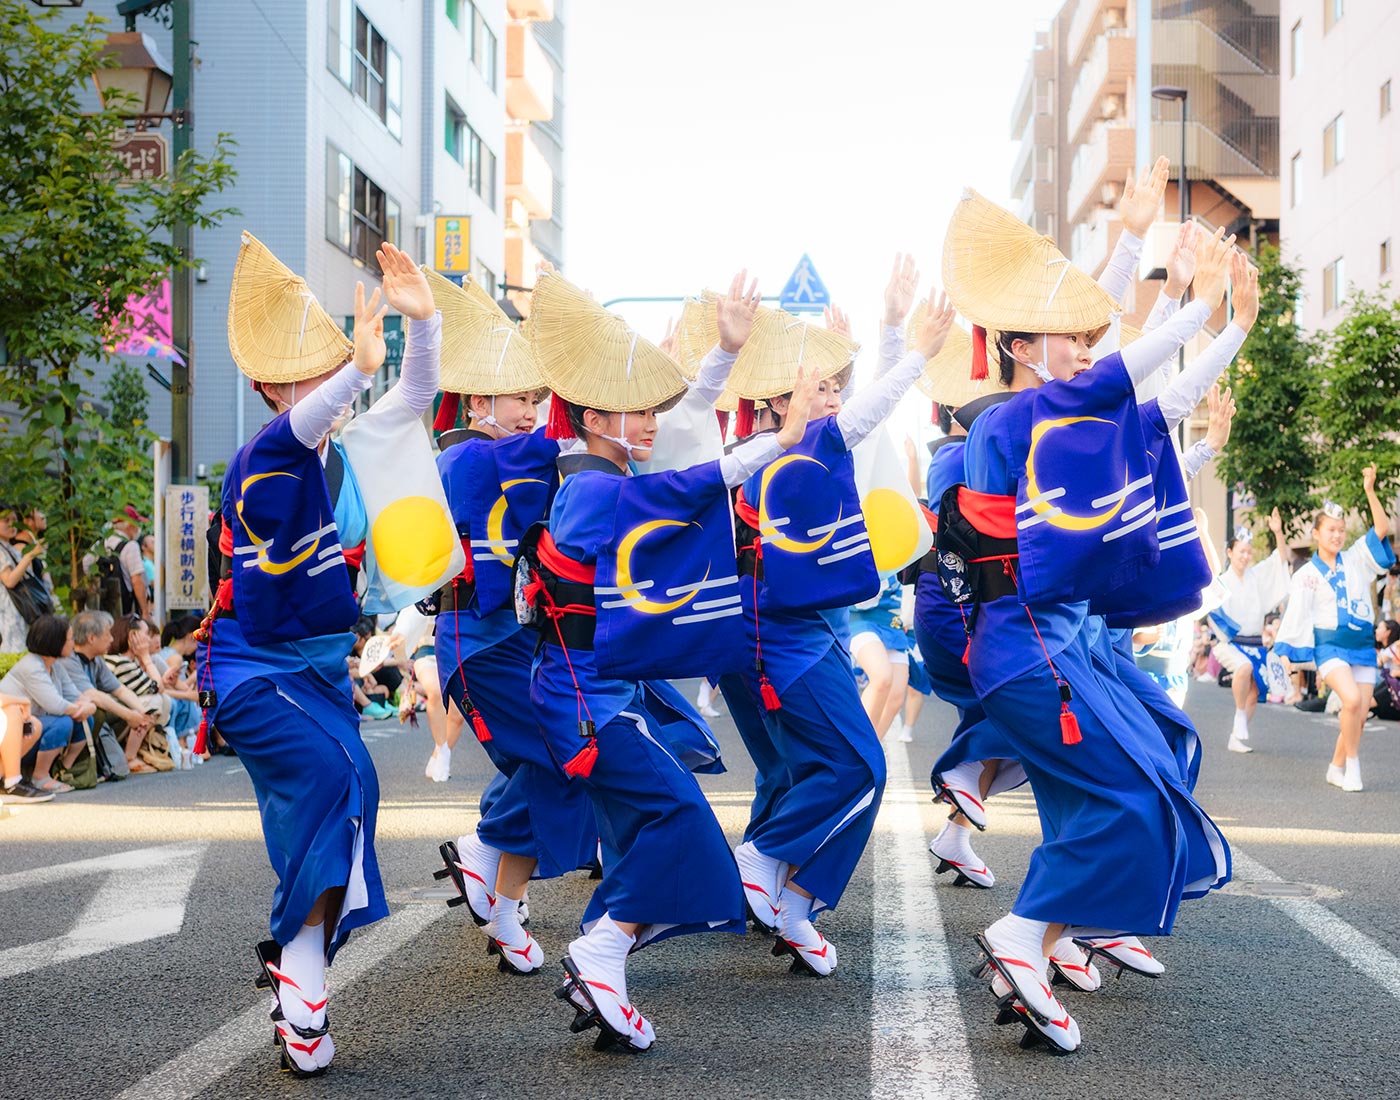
x=1002, y=275
x=945, y=378
x=277, y=330
x=482, y=351
x=779, y=342
x=698, y=332
x=591, y=357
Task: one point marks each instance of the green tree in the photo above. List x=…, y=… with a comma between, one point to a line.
x=1273, y=451
x=1359, y=403
x=75, y=244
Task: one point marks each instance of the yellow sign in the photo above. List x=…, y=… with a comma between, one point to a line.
x=454, y=239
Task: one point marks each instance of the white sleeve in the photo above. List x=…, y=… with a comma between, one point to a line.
x=1118, y=273
x=714, y=374
x=1294, y=639
x=1144, y=357
x=867, y=410
x=418, y=376
x=1163, y=309
x=748, y=458
x=1196, y=458
x=891, y=349
x=1185, y=391
x=312, y=418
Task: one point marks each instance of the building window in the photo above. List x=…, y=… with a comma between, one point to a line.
x=1385, y=99
x=1385, y=256
x=454, y=12
x=1295, y=180
x=359, y=215
x=1295, y=49
x=365, y=63
x=455, y=133
x=1331, y=14
x=486, y=279
x=1334, y=285
x=483, y=49
x=481, y=168
x=1334, y=144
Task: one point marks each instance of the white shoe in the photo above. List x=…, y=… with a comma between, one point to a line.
x=761, y=877
x=1334, y=703
x=430, y=771
x=960, y=787
x=709, y=711
x=519, y=952
x=1072, y=964
x=1336, y=776
x=953, y=847
x=810, y=950
x=896, y=728
x=472, y=867
x=1124, y=952
x=906, y=735
x=443, y=772
x=1351, y=778
x=1014, y=955
x=596, y=965
x=1238, y=745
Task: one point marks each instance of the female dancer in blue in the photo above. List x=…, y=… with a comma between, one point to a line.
x=667, y=869
x=499, y=475
x=1329, y=620
x=273, y=673
x=804, y=852
x=1124, y=840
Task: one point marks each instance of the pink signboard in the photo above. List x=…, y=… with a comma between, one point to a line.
x=144, y=329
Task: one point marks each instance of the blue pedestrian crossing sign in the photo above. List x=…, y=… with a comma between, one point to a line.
x=805, y=292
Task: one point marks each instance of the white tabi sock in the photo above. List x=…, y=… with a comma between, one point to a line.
x=304, y=962
x=793, y=908
x=1241, y=727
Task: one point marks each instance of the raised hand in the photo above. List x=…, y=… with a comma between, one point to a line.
x=1213, y=268
x=800, y=406
x=405, y=285
x=836, y=321
x=1141, y=200
x=1276, y=525
x=370, y=349
x=1244, y=276
x=735, y=313
x=668, y=342
x=900, y=290
x=1221, y=405
x=937, y=321
x=1181, y=264
x=1368, y=479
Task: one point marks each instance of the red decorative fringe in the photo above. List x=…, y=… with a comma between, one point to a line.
x=723, y=418
x=1069, y=726
x=446, y=418
x=201, y=739
x=559, y=426
x=743, y=420
x=769, y=693
x=479, y=724
x=934, y=418
x=584, y=759
x=979, y=353
x=968, y=651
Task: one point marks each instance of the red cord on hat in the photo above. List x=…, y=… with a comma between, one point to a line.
x=979, y=353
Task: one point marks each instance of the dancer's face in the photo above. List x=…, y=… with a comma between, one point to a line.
x=1330, y=534
x=638, y=428
x=515, y=413
x=1064, y=355
x=1241, y=555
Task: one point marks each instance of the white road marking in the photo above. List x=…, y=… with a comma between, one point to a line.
x=1353, y=945
x=143, y=898
x=918, y=1041
x=198, y=1067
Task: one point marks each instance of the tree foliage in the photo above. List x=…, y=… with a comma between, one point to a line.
x=75, y=245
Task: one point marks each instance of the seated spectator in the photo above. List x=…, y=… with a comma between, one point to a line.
x=16, y=739
x=178, y=682
x=57, y=704
x=373, y=692
x=129, y=658
x=1386, y=696
x=128, y=714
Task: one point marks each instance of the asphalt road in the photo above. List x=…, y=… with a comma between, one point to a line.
x=130, y=974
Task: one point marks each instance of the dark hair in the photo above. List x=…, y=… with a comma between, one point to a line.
x=945, y=419
x=47, y=636
x=176, y=629
x=365, y=627
x=574, y=414
x=1230, y=542
x=1007, y=363
x=1392, y=629
x=122, y=630
x=271, y=404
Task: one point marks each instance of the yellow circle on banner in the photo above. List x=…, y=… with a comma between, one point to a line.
x=893, y=523
x=413, y=540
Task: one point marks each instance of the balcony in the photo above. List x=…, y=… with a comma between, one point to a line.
x=529, y=78
x=1100, y=163
x=1040, y=69
x=1091, y=18
x=521, y=260
x=538, y=11
x=1209, y=155
x=1038, y=203
x=1090, y=243
x=528, y=177
x=1101, y=89
x=1038, y=142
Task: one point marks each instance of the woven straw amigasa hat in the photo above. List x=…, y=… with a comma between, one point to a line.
x=779, y=343
x=945, y=378
x=277, y=330
x=1004, y=277
x=482, y=350
x=698, y=332
x=593, y=358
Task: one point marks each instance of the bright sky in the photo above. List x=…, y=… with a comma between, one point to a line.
x=707, y=137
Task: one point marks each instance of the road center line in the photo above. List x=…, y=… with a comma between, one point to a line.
x=918, y=1043
x=194, y=1070
x=1353, y=945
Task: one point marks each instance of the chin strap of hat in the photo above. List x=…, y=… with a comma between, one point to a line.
x=621, y=438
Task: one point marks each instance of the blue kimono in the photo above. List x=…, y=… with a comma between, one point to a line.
x=277, y=665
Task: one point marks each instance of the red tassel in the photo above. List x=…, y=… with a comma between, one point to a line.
x=769, y=693
x=584, y=759
x=479, y=724
x=559, y=426
x=446, y=418
x=723, y=418
x=743, y=420
x=1069, y=726
x=201, y=739
x=979, y=353
x=934, y=419
x=968, y=651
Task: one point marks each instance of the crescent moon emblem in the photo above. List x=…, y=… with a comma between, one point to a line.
x=276, y=568
x=496, y=518
x=782, y=542
x=1064, y=521
x=624, y=569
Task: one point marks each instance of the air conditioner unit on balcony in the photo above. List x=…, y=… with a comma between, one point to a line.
x=1111, y=106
